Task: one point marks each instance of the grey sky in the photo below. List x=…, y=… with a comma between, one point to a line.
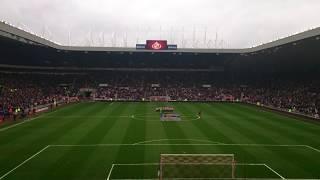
x=188, y=23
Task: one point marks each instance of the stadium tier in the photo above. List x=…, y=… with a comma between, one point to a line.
x=127, y=113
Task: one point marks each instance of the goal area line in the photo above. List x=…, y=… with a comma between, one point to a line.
x=115, y=165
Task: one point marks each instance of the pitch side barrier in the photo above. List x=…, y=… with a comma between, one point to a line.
x=148, y=101
x=268, y=108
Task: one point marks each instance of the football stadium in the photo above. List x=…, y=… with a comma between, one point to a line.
x=158, y=110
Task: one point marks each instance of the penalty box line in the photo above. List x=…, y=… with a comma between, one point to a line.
x=103, y=145
x=157, y=164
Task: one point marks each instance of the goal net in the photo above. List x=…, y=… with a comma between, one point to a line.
x=196, y=166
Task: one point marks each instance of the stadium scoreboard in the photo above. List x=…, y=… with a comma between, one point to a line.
x=157, y=45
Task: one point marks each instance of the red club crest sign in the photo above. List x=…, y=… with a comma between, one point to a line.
x=156, y=45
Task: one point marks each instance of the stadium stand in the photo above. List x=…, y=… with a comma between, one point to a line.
x=283, y=74
x=25, y=91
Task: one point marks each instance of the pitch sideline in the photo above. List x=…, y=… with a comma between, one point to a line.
x=30, y=120
x=25, y=161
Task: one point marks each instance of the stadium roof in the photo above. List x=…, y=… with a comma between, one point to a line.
x=21, y=50
x=191, y=24
x=9, y=31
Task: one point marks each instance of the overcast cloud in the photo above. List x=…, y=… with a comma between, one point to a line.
x=188, y=23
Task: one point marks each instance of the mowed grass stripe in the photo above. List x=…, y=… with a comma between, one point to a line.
x=135, y=131
x=40, y=141
x=13, y=124
x=197, y=129
x=173, y=130
x=280, y=128
x=261, y=131
x=225, y=125
x=250, y=131
x=241, y=153
x=33, y=127
x=118, y=134
x=297, y=157
x=74, y=158
x=100, y=160
x=32, y=142
x=290, y=122
x=155, y=131
x=59, y=165
x=205, y=130
x=229, y=123
x=280, y=124
x=216, y=133
x=151, y=129
x=96, y=129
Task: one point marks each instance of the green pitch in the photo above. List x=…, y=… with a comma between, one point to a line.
x=124, y=141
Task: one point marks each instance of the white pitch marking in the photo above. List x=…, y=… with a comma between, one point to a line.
x=157, y=140
x=137, y=179
x=156, y=164
x=181, y=144
x=274, y=171
x=17, y=124
x=25, y=161
x=94, y=117
x=136, y=164
x=218, y=179
x=197, y=154
x=315, y=149
x=29, y=120
x=110, y=171
x=147, y=164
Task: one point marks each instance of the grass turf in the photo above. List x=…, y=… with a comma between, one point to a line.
x=85, y=139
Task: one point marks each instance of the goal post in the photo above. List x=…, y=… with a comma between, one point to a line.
x=196, y=166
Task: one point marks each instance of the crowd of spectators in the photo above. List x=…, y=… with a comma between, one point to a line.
x=21, y=93
x=300, y=95
x=24, y=91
